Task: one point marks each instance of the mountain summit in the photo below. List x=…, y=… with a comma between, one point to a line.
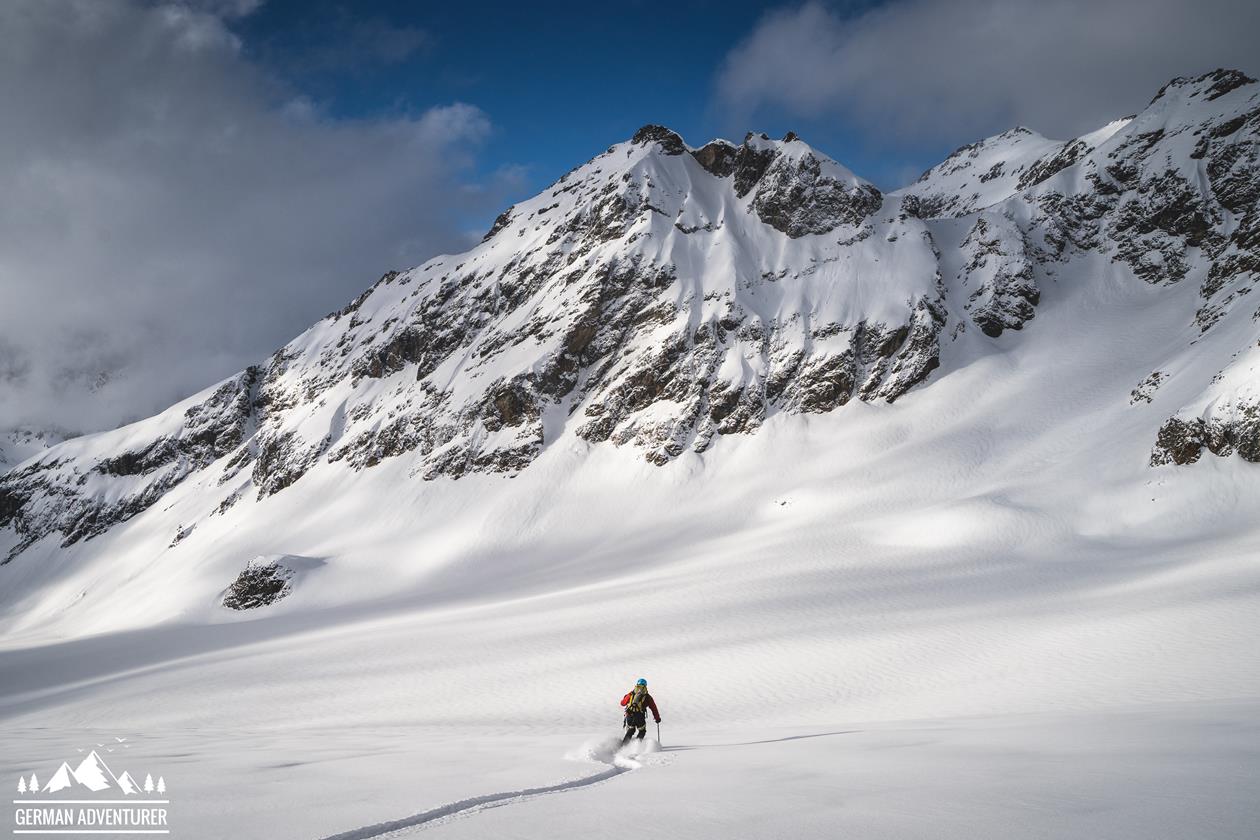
x=92, y=773
x=662, y=298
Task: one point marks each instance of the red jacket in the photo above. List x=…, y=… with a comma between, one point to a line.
x=651, y=704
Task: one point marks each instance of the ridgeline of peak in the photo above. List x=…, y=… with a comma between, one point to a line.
x=794, y=188
x=822, y=182
x=665, y=299
x=1210, y=86
x=670, y=142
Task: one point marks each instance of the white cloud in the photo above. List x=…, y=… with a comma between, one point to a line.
x=172, y=214
x=962, y=69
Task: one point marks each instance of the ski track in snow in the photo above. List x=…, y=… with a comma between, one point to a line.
x=619, y=761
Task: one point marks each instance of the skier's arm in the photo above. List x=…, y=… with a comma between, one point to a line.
x=652, y=705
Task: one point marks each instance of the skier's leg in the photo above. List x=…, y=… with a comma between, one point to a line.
x=642, y=732
x=634, y=722
x=630, y=723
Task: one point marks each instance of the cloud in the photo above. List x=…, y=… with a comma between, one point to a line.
x=342, y=42
x=173, y=214
x=963, y=69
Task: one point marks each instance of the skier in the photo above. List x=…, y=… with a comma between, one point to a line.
x=636, y=701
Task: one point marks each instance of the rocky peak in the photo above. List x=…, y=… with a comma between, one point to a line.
x=801, y=193
x=794, y=189
x=670, y=142
x=1209, y=86
x=718, y=157
x=752, y=161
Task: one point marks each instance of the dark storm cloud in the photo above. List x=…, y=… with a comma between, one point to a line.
x=963, y=69
x=171, y=214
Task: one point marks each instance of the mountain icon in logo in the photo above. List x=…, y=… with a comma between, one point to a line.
x=127, y=783
x=92, y=773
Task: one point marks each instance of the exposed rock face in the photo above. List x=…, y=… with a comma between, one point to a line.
x=1051, y=165
x=1183, y=181
x=261, y=583
x=718, y=158
x=796, y=197
x=661, y=297
x=1146, y=389
x=500, y=223
x=794, y=190
x=752, y=161
x=1235, y=429
x=999, y=273
x=1175, y=196
x=670, y=143
x=1170, y=194
x=127, y=483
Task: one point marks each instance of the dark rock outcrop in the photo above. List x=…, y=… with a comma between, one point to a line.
x=797, y=198
x=751, y=163
x=501, y=221
x=999, y=273
x=1235, y=430
x=718, y=158
x=670, y=143
x=258, y=585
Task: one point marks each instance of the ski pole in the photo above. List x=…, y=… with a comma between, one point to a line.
x=658, y=733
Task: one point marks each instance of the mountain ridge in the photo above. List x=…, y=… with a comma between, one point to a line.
x=663, y=297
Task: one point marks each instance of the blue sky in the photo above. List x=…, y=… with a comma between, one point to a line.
x=887, y=87
x=559, y=82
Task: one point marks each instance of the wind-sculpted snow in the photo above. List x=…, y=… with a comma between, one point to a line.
x=662, y=297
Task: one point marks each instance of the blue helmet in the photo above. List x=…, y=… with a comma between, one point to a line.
x=641, y=681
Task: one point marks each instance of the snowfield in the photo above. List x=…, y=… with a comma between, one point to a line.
x=941, y=626
x=977, y=611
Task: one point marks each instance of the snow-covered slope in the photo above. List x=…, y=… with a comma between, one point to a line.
x=24, y=442
x=902, y=501
x=661, y=297
x=989, y=171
